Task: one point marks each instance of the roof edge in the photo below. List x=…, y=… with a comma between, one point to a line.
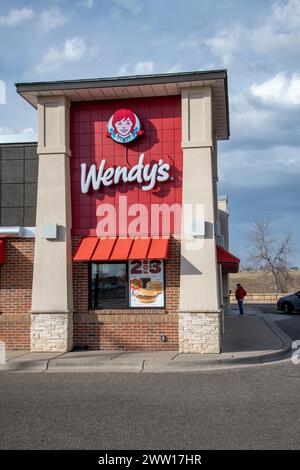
x=29, y=144
x=129, y=80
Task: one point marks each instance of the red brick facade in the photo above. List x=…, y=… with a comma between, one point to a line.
x=95, y=329
x=15, y=293
x=129, y=329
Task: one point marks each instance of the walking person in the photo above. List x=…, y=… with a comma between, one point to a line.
x=240, y=294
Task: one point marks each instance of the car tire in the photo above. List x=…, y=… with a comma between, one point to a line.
x=287, y=307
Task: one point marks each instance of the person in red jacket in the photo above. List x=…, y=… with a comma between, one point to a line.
x=240, y=293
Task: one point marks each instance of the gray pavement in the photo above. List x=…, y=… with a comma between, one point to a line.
x=249, y=408
x=289, y=323
x=249, y=340
x=243, y=404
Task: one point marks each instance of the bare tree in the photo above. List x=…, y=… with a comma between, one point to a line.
x=271, y=254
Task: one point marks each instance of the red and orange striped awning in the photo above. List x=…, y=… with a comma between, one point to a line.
x=118, y=249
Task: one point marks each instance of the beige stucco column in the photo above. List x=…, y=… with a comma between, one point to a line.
x=52, y=304
x=223, y=218
x=199, y=315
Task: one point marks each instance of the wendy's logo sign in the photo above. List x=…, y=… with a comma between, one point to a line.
x=144, y=174
x=124, y=126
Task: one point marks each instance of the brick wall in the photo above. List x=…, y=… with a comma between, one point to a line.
x=129, y=329
x=96, y=329
x=15, y=293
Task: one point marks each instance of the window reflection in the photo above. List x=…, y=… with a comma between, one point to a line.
x=108, y=285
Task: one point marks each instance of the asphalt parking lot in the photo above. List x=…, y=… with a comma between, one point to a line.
x=251, y=408
x=290, y=323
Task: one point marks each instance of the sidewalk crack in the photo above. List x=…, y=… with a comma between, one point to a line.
x=177, y=354
x=51, y=359
x=117, y=355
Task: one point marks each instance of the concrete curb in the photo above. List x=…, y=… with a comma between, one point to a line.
x=148, y=367
x=173, y=367
x=24, y=366
x=286, y=341
x=101, y=366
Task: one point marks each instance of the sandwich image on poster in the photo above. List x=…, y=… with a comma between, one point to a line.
x=146, y=283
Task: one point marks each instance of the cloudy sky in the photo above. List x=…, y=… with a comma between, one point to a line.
x=258, y=42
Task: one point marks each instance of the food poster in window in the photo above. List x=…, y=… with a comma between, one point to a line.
x=146, y=283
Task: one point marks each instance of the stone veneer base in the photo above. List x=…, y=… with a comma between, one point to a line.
x=51, y=331
x=200, y=332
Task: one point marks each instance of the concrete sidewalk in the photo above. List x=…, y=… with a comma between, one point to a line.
x=249, y=340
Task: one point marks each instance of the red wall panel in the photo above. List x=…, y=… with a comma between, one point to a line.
x=161, y=121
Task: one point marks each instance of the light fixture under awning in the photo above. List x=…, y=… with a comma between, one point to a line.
x=119, y=249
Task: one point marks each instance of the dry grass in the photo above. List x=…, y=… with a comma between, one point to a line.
x=260, y=283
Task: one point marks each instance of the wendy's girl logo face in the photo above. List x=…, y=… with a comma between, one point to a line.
x=124, y=126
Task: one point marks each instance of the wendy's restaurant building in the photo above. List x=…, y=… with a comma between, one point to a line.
x=112, y=234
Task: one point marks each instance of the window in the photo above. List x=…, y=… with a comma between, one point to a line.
x=146, y=283
x=133, y=284
x=108, y=285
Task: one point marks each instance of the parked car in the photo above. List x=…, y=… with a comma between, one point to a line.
x=289, y=303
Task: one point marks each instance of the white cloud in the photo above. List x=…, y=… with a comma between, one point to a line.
x=143, y=67
x=124, y=69
x=191, y=42
x=249, y=124
x=93, y=51
x=287, y=13
x=50, y=19
x=257, y=124
x=176, y=68
x=2, y=92
x=159, y=40
x=134, y=7
x=279, y=90
x=8, y=135
x=15, y=17
x=280, y=31
x=224, y=45
x=259, y=167
x=87, y=3
x=73, y=50
x=277, y=34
